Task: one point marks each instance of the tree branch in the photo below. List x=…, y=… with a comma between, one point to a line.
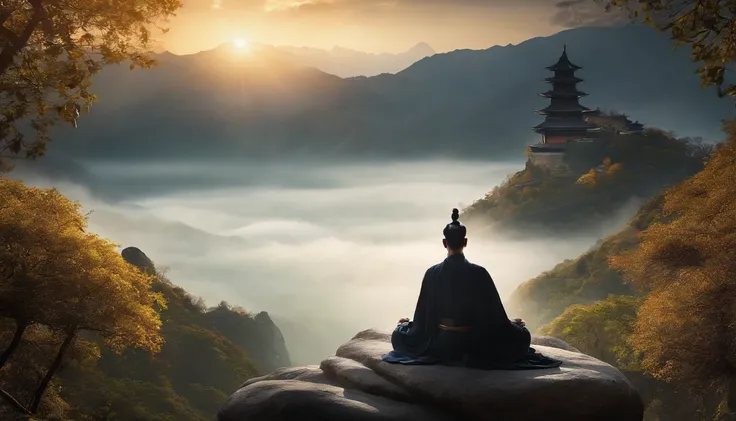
x=14, y=46
x=4, y=16
x=14, y=402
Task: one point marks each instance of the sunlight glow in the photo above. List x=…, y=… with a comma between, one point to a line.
x=241, y=44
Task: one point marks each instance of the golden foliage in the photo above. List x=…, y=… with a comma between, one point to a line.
x=614, y=169
x=49, y=50
x=588, y=179
x=600, y=329
x=687, y=264
x=56, y=275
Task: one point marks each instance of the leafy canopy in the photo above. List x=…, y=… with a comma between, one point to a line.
x=600, y=329
x=50, y=49
x=687, y=264
x=55, y=273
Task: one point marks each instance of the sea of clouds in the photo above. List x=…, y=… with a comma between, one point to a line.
x=326, y=249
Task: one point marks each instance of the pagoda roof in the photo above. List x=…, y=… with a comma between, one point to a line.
x=563, y=108
x=555, y=93
x=564, y=124
x=563, y=79
x=564, y=63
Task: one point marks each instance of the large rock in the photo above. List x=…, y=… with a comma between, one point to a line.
x=356, y=385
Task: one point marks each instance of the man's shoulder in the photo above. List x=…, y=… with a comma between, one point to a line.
x=476, y=268
x=434, y=268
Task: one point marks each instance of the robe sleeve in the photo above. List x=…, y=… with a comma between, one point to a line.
x=490, y=309
x=422, y=314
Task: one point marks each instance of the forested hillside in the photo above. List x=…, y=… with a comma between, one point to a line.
x=122, y=342
x=603, y=177
x=585, y=279
x=656, y=299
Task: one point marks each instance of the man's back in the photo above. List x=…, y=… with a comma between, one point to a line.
x=459, y=316
x=465, y=295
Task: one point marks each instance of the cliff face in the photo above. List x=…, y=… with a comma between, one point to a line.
x=258, y=336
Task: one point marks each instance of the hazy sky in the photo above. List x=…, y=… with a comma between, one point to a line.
x=375, y=25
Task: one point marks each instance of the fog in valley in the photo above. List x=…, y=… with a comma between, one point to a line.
x=326, y=250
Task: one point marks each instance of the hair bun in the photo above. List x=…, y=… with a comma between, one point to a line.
x=455, y=215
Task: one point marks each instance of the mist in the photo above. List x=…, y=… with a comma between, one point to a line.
x=327, y=250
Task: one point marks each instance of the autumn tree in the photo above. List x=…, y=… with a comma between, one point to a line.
x=20, y=378
x=588, y=179
x=50, y=49
x=600, y=329
x=687, y=266
x=59, y=276
x=33, y=226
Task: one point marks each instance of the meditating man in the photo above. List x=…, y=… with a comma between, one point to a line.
x=459, y=318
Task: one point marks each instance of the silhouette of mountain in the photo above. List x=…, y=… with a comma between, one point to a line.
x=344, y=62
x=468, y=104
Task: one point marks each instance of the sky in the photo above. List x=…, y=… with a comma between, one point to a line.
x=375, y=25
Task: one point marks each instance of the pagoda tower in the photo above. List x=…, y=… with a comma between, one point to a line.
x=564, y=116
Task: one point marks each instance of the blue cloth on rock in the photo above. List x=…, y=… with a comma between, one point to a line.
x=533, y=361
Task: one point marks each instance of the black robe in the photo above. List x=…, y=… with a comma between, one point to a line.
x=465, y=294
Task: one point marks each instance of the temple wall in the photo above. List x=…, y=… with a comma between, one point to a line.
x=552, y=161
x=555, y=139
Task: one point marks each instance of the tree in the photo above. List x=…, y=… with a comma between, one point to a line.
x=29, y=365
x=50, y=49
x=707, y=26
x=107, y=296
x=69, y=280
x=33, y=226
x=687, y=265
x=600, y=329
x=589, y=179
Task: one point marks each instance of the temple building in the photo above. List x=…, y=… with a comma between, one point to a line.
x=565, y=116
x=613, y=121
x=568, y=124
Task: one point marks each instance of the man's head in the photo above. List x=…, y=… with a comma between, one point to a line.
x=454, y=232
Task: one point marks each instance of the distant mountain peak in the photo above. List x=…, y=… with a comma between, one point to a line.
x=421, y=49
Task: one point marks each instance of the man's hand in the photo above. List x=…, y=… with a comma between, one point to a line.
x=519, y=322
x=402, y=320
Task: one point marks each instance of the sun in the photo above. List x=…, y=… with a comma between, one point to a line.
x=241, y=44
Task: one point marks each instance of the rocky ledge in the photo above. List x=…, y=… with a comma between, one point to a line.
x=355, y=385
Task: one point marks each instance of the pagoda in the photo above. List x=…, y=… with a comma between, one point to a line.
x=564, y=116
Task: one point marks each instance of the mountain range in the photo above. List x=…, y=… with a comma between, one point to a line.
x=344, y=62
x=464, y=104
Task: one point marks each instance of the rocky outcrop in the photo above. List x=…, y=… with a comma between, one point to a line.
x=258, y=336
x=356, y=385
x=137, y=258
